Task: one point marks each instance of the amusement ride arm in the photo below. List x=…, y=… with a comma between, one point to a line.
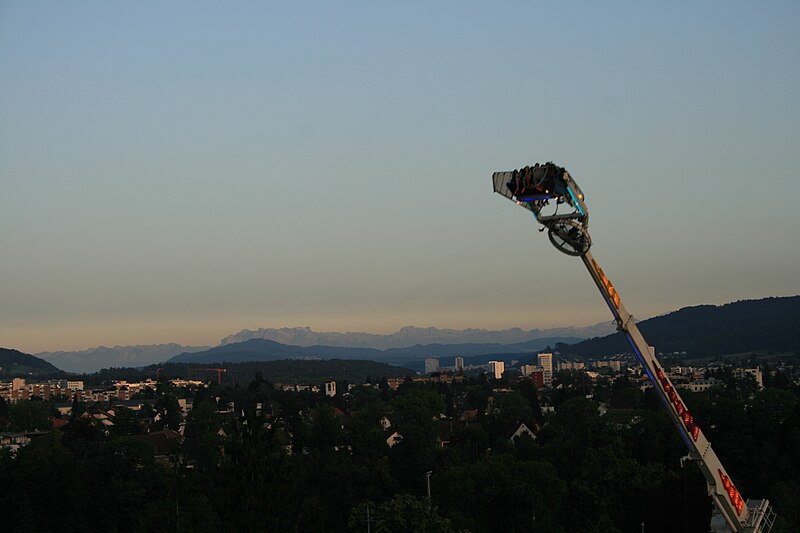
x=726, y=497
x=568, y=232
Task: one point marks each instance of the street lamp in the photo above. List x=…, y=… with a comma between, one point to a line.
x=428, y=479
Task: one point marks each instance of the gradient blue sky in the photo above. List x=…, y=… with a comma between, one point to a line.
x=178, y=171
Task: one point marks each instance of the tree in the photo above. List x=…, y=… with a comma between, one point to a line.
x=125, y=421
x=624, y=394
x=323, y=429
x=472, y=443
x=415, y=413
x=261, y=483
x=29, y=415
x=401, y=513
x=511, y=410
x=528, y=390
x=499, y=493
x=365, y=434
x=203, y=442
x=170, y=411
x=4, y=414
x=78, y=408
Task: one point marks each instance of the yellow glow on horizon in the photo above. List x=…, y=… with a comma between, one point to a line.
x=76, y=334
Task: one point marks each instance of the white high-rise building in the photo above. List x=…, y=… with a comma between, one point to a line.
x=431, y=365
x=459, y=364
x=330, y=389
x=546, y=364
x=496, y=369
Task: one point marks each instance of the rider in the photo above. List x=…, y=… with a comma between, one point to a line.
x=542, y=181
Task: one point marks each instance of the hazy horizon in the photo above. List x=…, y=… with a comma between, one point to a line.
x=218, y=340
x=177, y=172
x=215, y=341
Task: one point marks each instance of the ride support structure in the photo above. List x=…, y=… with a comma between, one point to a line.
x=542, y=189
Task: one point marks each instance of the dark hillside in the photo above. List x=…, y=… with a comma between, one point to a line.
x=770, y=324
x=268, y=350
x=15, y=363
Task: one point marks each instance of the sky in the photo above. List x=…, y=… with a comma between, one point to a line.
x=179, y=171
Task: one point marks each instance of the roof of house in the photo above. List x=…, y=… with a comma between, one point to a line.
x=164, y=442
x=523, y=429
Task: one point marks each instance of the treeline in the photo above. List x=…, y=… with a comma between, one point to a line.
x=301, y=462
x=290, y=371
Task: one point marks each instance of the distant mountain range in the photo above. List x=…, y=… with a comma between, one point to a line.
x=770, y=324
x=18, y=364
x=94, y=359
x=700, y=331
x=705, y=330
x=411, y=336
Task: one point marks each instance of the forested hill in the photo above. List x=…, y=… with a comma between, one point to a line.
x=15, y=363
x=267, y=350
x=707, y=331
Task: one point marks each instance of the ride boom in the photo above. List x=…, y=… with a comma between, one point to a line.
x=557, y=203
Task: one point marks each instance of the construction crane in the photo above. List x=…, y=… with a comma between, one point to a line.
x=557, y=203
x=219, y=372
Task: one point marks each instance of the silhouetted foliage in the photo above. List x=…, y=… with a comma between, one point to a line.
x=257, y=458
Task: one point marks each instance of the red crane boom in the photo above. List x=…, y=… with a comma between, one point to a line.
x=219, y=372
